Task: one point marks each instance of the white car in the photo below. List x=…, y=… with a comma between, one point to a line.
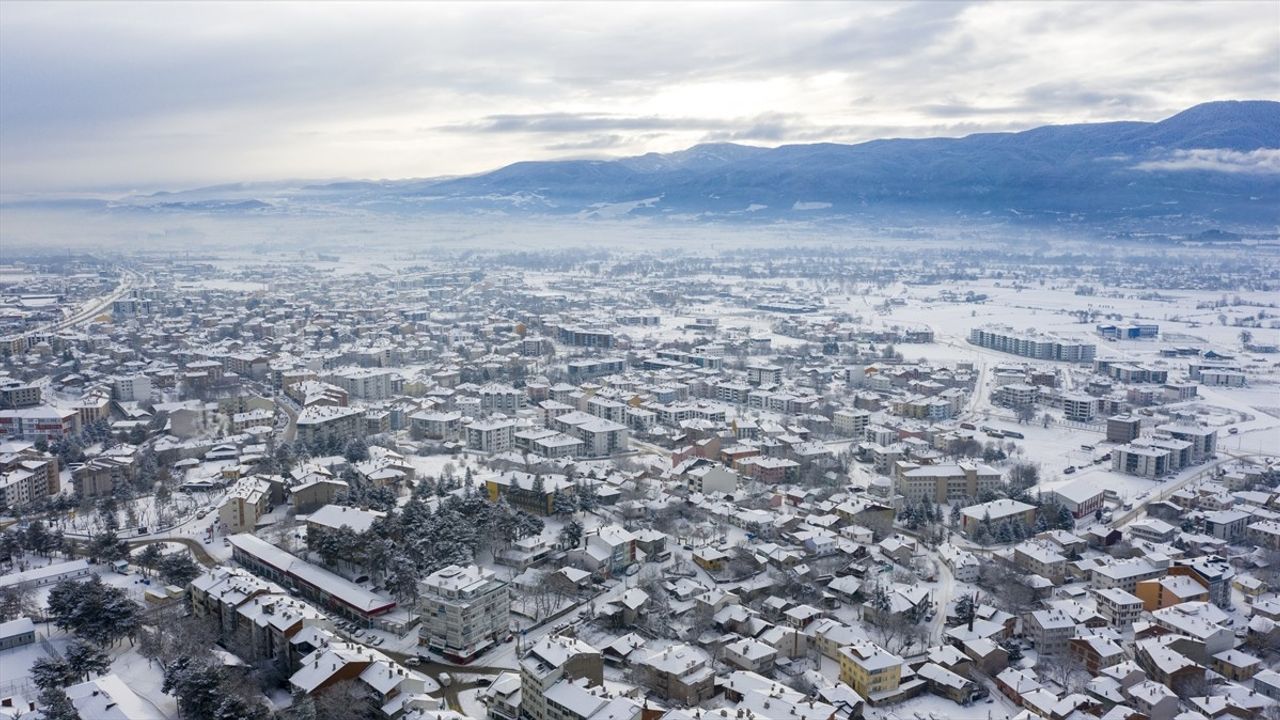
x=445, y=679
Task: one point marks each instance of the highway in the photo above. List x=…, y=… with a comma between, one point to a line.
x=129, y=280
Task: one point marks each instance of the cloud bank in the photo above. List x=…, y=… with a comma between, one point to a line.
x=119, y=95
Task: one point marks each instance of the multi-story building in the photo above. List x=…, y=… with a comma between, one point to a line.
x=494, y=435
x=761, y=374
x=584, y=337
x=869, y=669
x=1082, y=497
x=1144, y=460
x=1126, y=574
x=42, y=422
x=1033, y=345
x=246, y=502
x=1204, y=441
x=1041, y=558
x=1212, y=571
x=600, y=437
x=1049, y=631
x=680, y=673
x=99, y=477
x=1120, y=608
x=437, y=425
x=26, y=474
x=996, y=511
x=1015, y=395
x=550, y=661
x=586, y=369
x=368, y=384
x=329, y=423
x=1123, y=429
x=500, y=398
x=851, y=423
x=531, y=493
x=943, y=484
x=464, y=610
x=15, y=394
x=132, y=388
x=1079, y=408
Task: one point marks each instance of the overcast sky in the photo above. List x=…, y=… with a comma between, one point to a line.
x=164, y=95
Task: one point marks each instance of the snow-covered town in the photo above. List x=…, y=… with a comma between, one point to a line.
x=892, y=481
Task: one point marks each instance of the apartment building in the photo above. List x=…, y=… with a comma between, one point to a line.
x=133, y=388
x=98, y=477
x=943, y=484
x=869, y=669
x=996, y=511
x=368, y=384
x=1126, y=574
x=1204, y=441
x=491, y=436
x=500, y=398
x=26, y=474
x=550, y=661
x=320, y=423
x=1123, y=429
x=851, y=423
x=1163, y=592
x=600, y=437
x=679, y=673
x=762, y=374
x=1143, y=460
x=41, y=422
x=1049, y=631
x=464, y=611
x=1031, y=344
x=1120, y=608
x=15, y=394
x=445, y=426
x=1079, y=408
x=1015, y=395
x=246, y=502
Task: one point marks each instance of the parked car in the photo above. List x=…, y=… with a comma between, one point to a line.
x=412, y=662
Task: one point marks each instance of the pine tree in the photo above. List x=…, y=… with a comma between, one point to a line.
x=85, y=660
x=571, y=534
x=563, y=503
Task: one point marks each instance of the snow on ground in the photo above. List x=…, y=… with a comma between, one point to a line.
x=471, y=705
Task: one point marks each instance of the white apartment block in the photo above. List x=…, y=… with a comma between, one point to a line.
x=369, y=384
x=135, y=388
x=851, y=423
x=324, y=421
x=1031, y=344
x=491, y=436
x=465, y=610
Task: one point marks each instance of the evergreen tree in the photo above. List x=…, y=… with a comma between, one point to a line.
x=571, y=534
x=149, y=558
x=85, y=660
x=563, y=503
x=93, y=610
x=178, y=569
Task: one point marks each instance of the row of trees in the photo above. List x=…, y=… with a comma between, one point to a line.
x=407, y=545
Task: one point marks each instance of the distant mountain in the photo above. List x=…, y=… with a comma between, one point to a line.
x=1213, y=164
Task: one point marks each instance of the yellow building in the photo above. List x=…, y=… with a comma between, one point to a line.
x=1163, y=592
x=869, y=669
